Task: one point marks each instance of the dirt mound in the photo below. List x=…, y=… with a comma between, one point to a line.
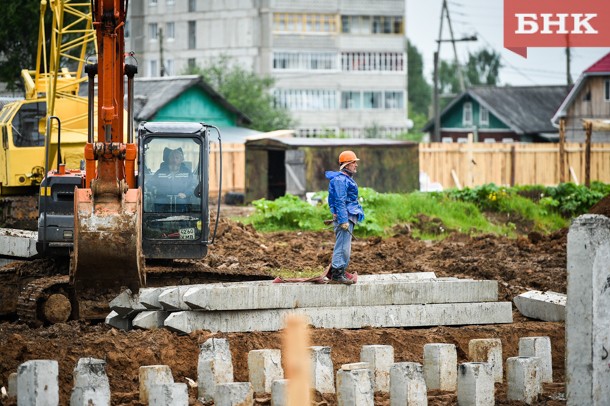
x=602, y=207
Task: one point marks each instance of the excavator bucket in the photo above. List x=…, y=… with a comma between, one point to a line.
x=107, y=242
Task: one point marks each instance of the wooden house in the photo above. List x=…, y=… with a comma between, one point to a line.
x=276, y=166
x=589, y=99
x=501, y=114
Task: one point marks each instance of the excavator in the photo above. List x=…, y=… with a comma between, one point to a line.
x=111, y=213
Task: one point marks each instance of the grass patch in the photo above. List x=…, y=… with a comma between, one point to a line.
x=484, y=209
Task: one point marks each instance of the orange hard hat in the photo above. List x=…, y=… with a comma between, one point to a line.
x=347, y=156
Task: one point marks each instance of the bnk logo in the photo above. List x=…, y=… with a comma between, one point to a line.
x=555, y=23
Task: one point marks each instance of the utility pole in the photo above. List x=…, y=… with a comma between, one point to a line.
x=453, y=40
x=161, y=64
x=437, y=115
x=568, y=61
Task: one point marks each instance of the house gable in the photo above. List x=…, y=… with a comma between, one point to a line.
x=454, y=116
x=195, y=104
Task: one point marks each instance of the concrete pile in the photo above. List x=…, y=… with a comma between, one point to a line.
x=406, y=383
x=396, y=300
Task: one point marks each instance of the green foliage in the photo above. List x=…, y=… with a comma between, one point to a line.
x=571, y=200
x=482, y=209
x=483, y=67
x=247, y=91
x=420, y=91
x=18, y=39
x=287, y=213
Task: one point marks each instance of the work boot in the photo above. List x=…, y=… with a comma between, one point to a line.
x=338, y=277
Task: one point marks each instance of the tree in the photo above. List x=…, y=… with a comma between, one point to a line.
x=247, y=91
x=18, y=39
x=448, y=79
x=420, y=91
x=483, y=68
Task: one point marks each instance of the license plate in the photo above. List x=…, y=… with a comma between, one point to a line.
x=187, y=233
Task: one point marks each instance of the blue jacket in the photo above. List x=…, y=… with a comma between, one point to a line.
x=343, y=197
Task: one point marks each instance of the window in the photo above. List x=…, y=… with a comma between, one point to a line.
x=607, y=90
x=305, y=99
x=371, y=24
x=192, y=5
x=394, y=100
x=483, y=116
x=153, y=31
x=587, y=96
x=312, y=23
x=371, y=100
x=467, y=114
x=192, y=34
x=169, y=67
x=152, y=68
x=351, y=100
x=304, y=61
x=170, y=30
x=191, y=63
x=372, y=61
x=153, y=2
x=127, y=29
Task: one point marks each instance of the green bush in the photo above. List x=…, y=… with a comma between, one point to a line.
x=435, y=215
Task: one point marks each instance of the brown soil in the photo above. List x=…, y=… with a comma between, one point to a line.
x=602, y=207
x=535, y=262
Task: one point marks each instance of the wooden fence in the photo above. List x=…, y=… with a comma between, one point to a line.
x=474, y=164
x=233, y=168
x=459, y=164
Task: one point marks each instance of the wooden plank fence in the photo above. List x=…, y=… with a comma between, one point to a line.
x=474, y=164
x=471, y=164
x=233, y=168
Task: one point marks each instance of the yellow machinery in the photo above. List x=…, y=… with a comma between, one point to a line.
x=50, y=90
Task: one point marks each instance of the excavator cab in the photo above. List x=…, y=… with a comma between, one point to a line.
x=173, y=176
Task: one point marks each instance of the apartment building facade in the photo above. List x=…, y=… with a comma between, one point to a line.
x=339, y=65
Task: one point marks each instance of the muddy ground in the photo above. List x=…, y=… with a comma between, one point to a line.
x=531, y=262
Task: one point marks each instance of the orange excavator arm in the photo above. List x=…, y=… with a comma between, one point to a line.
x=107, y=215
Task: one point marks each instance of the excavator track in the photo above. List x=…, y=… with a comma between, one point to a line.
x=34, y=294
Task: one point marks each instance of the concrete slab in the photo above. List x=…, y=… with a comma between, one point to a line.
x=150, y=319
x=37, y=383
x=524, y=384
x=126, y=304
x=172, y=299
x=440, y=365
x=152, y=375
x=169, y=394
x=122, y=323
x=264, y=367
x=18, y=243
x=233, y=394
x=475, y=384
x=381, y=359
x=345, y=317
x=539, y=347
x=149, y=298
x=91, y=385
x=547, y=306
x=587, y=313
x=322, y=370
x=295, y=295
x=355, y=387
x=407, y=385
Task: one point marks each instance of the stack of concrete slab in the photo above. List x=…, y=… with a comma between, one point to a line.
x=397, y=300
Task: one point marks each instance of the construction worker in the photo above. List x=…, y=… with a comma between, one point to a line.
x=346, y=211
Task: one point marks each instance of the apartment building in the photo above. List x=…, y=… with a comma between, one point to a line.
x=339, y=65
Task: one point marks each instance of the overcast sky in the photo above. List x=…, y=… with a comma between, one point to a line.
x=484, y=18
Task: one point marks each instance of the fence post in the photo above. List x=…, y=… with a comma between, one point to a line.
x=562, y=150
x=588, y=130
